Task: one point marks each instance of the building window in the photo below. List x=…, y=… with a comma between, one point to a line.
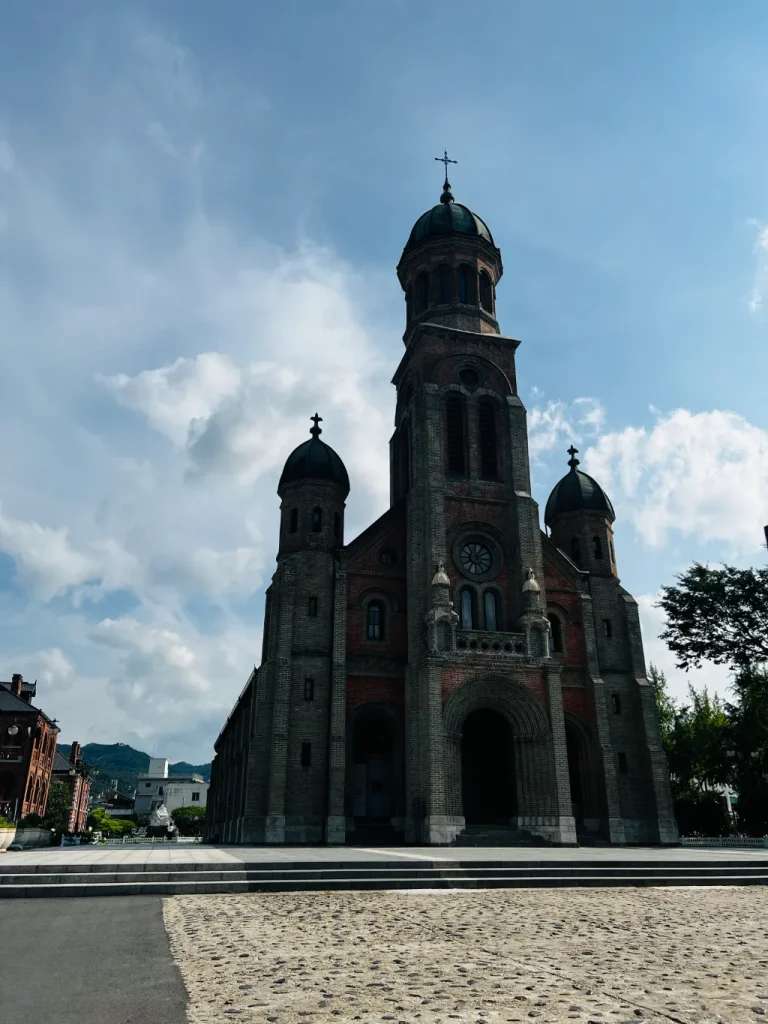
x=557, y=632
x=454, y=436
x=616, y=703
x=491, y=610
x=159, y=790
x=374, y=621
x=337, y=526
x=312, y=607
x=317, y=519
x=575, y=550
x=486, y=292
x=608, y=628
x=597, y=547
x=623, y=766
x=293, y=525
x=422, y=293
x=309, y=688
x=486, y=415
x=147, y=785
x=404, y=466
x=195, y=798
x=467, y=283
x=306, y=754
x=445, y=283
x=467, y=603
x=613, y=552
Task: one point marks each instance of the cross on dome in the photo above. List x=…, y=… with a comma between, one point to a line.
x=573, y=461
x=316, y=430
x=446, y=197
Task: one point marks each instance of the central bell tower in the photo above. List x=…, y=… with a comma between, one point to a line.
x=459, y=464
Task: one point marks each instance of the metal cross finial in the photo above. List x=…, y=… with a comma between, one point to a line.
x=316, y=431
x=573, y=461
x=445, y=159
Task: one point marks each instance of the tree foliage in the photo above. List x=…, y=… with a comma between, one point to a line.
x=58, y=808
x=718, y=615
x=190, y=821
x=100, y=820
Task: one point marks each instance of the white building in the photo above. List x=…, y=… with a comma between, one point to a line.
x=156, y=787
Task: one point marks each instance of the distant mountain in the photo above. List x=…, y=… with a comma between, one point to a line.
x=110, y=761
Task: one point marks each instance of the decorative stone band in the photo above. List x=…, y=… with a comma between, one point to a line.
x=514, y=645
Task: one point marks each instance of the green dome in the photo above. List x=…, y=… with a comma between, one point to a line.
x=577, y=492
x=314, y=460
x=448, y=218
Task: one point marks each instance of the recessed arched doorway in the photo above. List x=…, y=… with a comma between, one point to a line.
x=581, y=774
x=376, y=774
x=487, y=769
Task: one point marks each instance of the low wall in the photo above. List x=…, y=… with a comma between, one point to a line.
x=726, y=842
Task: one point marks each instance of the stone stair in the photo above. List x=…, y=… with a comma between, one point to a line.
x=104, y=879
x=498, y=835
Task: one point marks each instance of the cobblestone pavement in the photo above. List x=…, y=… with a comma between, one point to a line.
x=645, y=956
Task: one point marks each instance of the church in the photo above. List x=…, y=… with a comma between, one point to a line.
x=454, y=674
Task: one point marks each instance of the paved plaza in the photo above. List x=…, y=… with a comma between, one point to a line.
x=645, y=956
x=172, y=853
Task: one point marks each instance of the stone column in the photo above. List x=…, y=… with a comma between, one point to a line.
x=615, y=821
x=336, y=822
x=566, y=823
x=274, y=831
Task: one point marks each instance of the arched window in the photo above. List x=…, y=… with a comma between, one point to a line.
x=486, y=292
x=616, y=703
x=486, y=415
x=317, y=519
x=613, y=551
x=575, y=550
x=557, y=632
x=597, y=547
x=468, y=605
x=454, y=435
x=374, y=621
x=445, y=283
x=337, y=525
x=422, y=293
x=467, y=285
x=491, y=610
x=294, y=521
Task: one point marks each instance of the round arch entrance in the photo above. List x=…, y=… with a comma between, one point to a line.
x=487, y=769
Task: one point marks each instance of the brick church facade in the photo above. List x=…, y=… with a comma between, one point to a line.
x=453, y=670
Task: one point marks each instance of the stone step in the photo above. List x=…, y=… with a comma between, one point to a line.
x=371, y=877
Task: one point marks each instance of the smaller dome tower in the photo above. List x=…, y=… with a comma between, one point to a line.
x=313, y=487
x=580, y=517
x=449, y=268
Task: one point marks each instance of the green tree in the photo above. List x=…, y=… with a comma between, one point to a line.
x=748, y=749
x=718, y=615
x=190, y=821
x=665, y=705
x=99, y=820
x=58, y=808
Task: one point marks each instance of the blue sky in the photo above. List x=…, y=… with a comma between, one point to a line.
x=201, y=209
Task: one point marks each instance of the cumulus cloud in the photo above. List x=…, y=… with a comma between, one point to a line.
x=702, y=475
x=558, y=423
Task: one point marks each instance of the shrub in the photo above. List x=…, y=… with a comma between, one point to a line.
x=5, y=823
x=31, y=821
x=190, y=821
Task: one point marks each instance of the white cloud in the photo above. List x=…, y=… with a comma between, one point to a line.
x=701, y=475
x=760, y=283
x=50, y=564
x=559, y=423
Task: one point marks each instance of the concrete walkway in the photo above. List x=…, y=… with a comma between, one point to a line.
x=171, y=854
x=99, y=961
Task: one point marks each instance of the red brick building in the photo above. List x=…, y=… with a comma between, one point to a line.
x=27, y=749
x=74, y=774
x=455, y=667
